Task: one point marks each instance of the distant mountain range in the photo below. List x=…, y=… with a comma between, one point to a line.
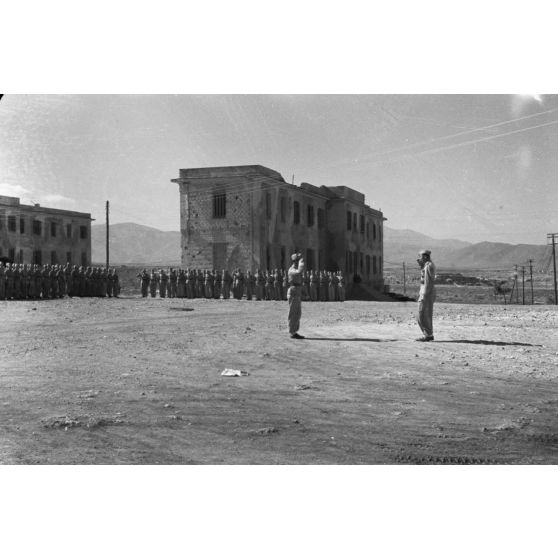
x=131, y=243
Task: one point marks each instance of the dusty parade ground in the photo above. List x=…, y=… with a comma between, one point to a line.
x=138, y=381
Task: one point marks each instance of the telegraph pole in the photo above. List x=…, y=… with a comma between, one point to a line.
x=515, y=283
x=523, y=284
x=404, y=280
x=531, y=274
x=552, y=236
x=108, y=259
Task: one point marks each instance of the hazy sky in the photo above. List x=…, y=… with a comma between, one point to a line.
x=472, y=167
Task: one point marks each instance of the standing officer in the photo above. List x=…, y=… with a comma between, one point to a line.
x=294, y=295
x=427, y=295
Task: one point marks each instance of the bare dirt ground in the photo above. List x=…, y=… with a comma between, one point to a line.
x=138, y=381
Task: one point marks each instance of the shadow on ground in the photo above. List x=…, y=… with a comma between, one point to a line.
x=370, y=340
x=484, y=342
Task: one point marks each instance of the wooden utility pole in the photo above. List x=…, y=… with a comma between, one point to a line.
x=553, y=237
x=404, y=280
x=515, y=283
x=108, y=258
x=531, y=275
x=523, y=284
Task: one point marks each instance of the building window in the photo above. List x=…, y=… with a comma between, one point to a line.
x=68, y=231
x=11, y=254
x=268, y=205
x=380, y=233
x=367, y=230
x=53, y=258
x=380, y=265
x=355, y=262
x=12, y=223
x=310, y=212
x=362, y=224
x=296, y=211
x=53, y=229
x=83, y=232
x=68, y=257
x=374, y=266
x=349, y=220
x=283, y=257
x=374, y=231
x=84, y=259
x=268, y=258
x=348, y=261
x=354, y=222
x=310, y=259
x=361, y=263
x=320, y=259
x=37, y=228
x=283, y=209
x=22, y=225
x=367, y=265
x=219, y=206
x=37, y=257
x=321, y=220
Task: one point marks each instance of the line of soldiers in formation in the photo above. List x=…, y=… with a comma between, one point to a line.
x=33, y=281
x=261, y=285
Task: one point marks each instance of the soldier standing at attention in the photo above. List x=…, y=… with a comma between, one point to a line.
x=153, y=283
x=249, y=285
x=163, y=283
x=144, y=279
x=260, y=284
x=226, y=284
x=341, y=286
x=173, y=279
x=181, y=284
x=294, y=295
x=427, y=295
x=218, y=285
x=2, y=281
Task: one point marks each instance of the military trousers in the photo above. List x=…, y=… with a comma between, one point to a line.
x=294, y=296
x=424, y=318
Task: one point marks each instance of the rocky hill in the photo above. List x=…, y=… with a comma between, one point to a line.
x=131, y=243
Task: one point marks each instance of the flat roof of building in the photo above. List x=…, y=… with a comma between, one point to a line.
x=9, y=201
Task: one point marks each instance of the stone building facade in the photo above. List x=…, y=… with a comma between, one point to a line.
x=248, y=217
x=42, y=235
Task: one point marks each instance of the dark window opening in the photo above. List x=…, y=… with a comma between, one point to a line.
x=354, y=221
x=296, y=216
x=69, y=257
x=283, y=210
x=37, y=228
x=37, y=257
x=219, y=206
x=11, y=223
x=349, y=220
x=53, y=258
x=68, y=231
x=362, y=224
x=83, y=232
x=22, y=225
x=84, y=259
x=53, y=229
x=310, y=215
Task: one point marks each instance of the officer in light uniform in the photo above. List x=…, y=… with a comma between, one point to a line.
x=427, y=295
x=294, y=295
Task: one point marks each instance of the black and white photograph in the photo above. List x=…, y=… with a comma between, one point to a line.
x=317, y=286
